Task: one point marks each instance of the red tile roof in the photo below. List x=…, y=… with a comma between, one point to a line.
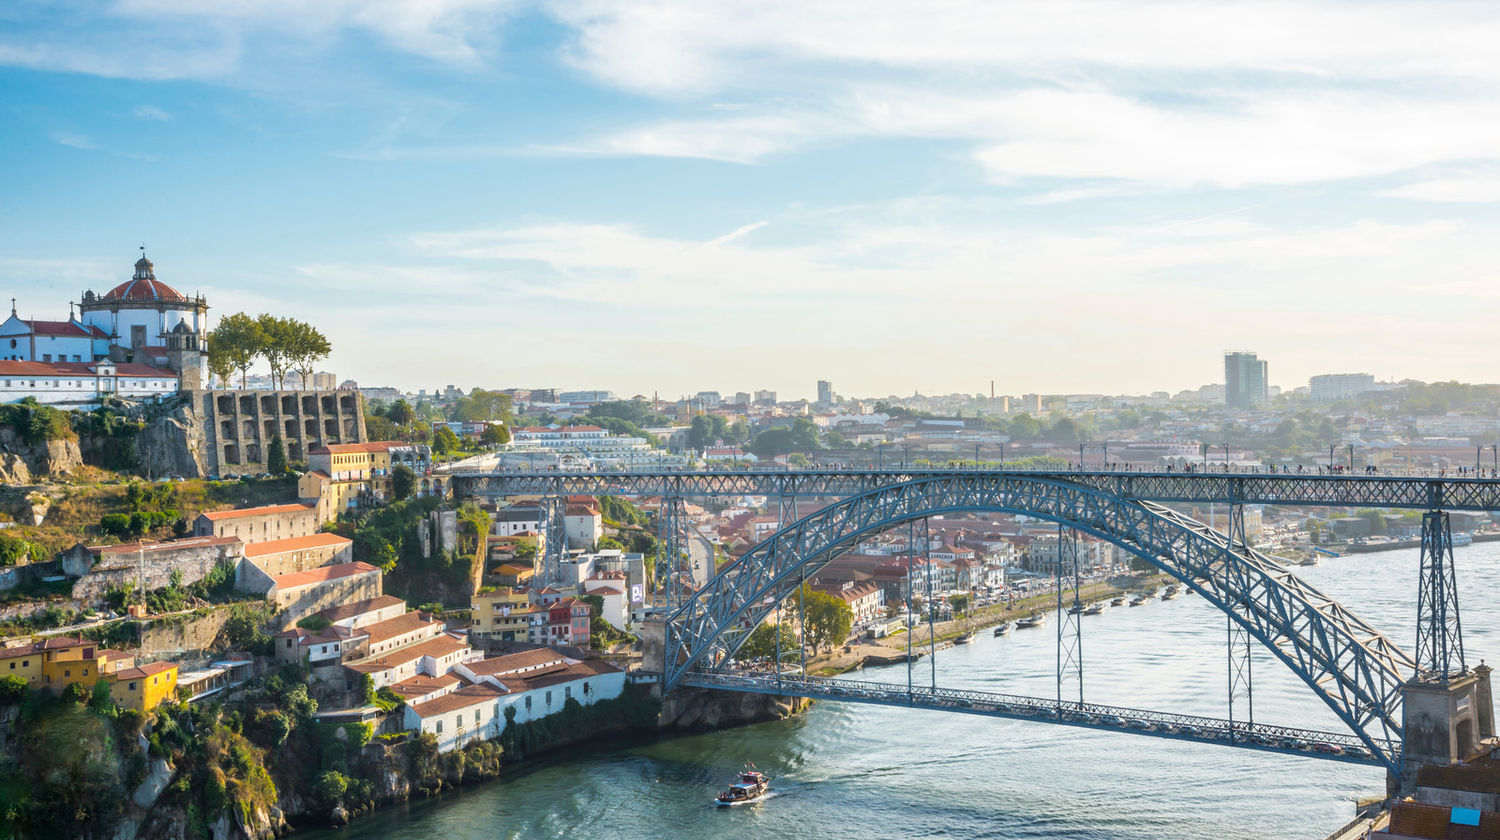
x=343, y=611
x=399, y=626
x=296, y=544
x=436, y=648
x=65, y=328
x=168, y=545
x=264, y=510
x=463, y=698
x=141, y=671
x=326, y=573
x=142, y=289
x=80, y=369
x=351, y=448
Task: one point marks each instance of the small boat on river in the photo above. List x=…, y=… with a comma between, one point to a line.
x=1139, y=599
x=750, y=786
x=1118, y=601
x=1030, y=621
x=1004, y=629
x=964, y=639
x=1095, y=608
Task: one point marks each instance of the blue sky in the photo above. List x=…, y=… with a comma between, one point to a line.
x=1059, y=196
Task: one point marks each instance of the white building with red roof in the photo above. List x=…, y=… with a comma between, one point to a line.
x=140, y=340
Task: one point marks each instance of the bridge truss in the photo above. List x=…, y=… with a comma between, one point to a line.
x=1351, y=666
x=1338, y=746
x=1381, y=491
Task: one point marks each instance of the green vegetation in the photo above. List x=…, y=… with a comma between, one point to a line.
x=634, y=708
x=36, y=423
x=14, y=550
x=110, y=438
x=387, y=537
x=826, y=620
x=403, y=482
x=761, y=646
x=276, y=455
x=286, y=345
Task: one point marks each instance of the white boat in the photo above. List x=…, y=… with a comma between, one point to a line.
x=750, y=786
x=1463, y=539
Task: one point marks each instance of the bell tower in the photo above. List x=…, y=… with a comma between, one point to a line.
x=185, y=356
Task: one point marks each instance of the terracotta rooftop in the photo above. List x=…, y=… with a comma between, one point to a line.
x=320, y=575
x=343, y=611
x=421, y=684
x=402, y=624
x=511, y=663
x=80, y=369
x=167, y=545
x=262, y=549
x=264, y=510
x=443, y=645
x=141, y=671
x=463, y=698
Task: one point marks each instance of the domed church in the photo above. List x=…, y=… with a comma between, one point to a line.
x=142, y=314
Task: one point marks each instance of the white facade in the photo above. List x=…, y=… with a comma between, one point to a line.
x=583, y=528
x=81, y=383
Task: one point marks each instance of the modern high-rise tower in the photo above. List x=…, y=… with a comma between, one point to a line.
x=1245, y=381
x=825, y=392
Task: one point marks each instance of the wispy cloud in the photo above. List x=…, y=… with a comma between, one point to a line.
x=1471, y=190
x=73, y=141
x=151, y=112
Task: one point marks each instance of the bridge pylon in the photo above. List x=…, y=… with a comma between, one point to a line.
x=1442, y=718
x=1069, y=615
x=554, y=539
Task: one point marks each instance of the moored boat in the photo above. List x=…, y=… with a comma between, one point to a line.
x=1030, y=621
x=751, y=785
x=964, y=639
x=1094, y=609
x=1139, y=599
x=1118, y=601
x=1004, y=628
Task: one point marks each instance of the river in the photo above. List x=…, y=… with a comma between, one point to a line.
x=847, y=770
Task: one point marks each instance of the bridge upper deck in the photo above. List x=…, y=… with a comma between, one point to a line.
x=1362, y=490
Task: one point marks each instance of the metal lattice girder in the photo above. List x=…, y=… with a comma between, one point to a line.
x=1355, y=669
x=1440, y=638
x=1422, y=492
x=555, y=537
x=1259, y=736
x=675, y=564
x=1069, y=574
x=1238, y=642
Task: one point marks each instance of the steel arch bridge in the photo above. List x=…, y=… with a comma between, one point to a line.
x=1350, y=665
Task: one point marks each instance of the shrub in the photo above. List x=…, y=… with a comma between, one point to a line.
x=12, y=690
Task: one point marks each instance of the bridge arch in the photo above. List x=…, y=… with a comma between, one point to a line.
x=1352, y=667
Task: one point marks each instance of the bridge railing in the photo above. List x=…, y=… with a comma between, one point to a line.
x=1287, y=739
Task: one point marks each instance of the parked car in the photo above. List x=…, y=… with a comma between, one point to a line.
x=1328, y=749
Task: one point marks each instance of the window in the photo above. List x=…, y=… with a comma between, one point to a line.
x=549, y=699
x=132, y=686
x=528, y=702
x=69, y=673
x=439, y=727
x=476, y=717
x=567, y=692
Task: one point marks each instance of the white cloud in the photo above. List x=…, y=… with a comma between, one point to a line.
x=1475, y=190
x=151, y=112
x=72, y=141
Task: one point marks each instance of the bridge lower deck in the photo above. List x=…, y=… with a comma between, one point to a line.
x=1308, y=743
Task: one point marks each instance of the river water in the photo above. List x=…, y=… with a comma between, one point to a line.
x=848, y=770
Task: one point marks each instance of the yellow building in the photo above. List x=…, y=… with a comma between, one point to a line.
x=24, y=661
x=513, y=574
x=67, y=661
x=145, y=687
x=503, y=614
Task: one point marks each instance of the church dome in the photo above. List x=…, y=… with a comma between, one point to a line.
x=144, y=287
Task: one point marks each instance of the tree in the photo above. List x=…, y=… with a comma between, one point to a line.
x=772, y=442
x=481, y=406
x=762, y=643
x=234, y=344
x=826, y=620
x=495, y=434
x=381, y=428
x=401, y=413
x=276, y=456
x=700, y=431
x=959, y=602
x=275, y=346
x=403, y=481
x=444, y=441
x=1025, y=427
x=805, y=435
x=305, y=347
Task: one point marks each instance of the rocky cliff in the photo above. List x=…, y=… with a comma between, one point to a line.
x=699, y=709
x=22, y=462
x=171, y=444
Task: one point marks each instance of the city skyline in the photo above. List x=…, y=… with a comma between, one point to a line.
x=1059, y=199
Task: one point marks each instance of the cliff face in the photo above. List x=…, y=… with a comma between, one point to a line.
x=172, y=444
x=699, y=708
x=22, y=462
